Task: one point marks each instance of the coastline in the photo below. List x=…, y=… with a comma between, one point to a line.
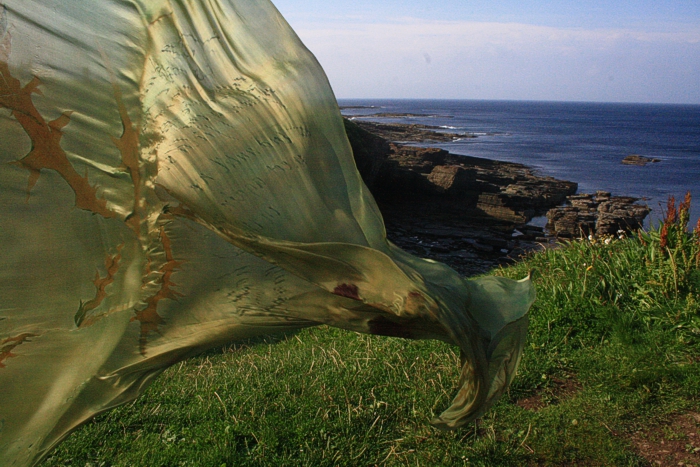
x=579, y=141
x=468, y=212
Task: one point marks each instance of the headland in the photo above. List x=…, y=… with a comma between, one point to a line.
x=472, y=213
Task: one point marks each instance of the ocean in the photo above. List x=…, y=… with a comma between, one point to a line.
x=580, y=142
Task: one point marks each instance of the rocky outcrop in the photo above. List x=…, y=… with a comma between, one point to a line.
x=460, y=210
x=500, y=190
x=452, y=180
x=528, y=195
x=600, y=215
x=503, y=191
x=472, y=213
x=405, y=132
x=636, y=159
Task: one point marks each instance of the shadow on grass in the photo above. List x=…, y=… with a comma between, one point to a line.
x=243, y=344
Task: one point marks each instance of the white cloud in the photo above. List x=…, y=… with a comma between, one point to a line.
x=505, y=61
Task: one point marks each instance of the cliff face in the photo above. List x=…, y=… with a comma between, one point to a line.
x=370, y=151
x=472, y=213
x=494, y=190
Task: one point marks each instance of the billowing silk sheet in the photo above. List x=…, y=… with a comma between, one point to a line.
x=174, y=175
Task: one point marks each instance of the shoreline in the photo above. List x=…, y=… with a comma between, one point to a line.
x=586, y=142
x=468, y=212
x=401, y=133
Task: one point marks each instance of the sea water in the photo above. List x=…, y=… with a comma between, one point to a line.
x=580, y=142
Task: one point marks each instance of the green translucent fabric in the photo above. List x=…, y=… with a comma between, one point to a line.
x=174, y=175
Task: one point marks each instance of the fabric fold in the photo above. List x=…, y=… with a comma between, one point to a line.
x=175, y=175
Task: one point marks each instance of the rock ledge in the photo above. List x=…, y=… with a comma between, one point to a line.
x=600, y=215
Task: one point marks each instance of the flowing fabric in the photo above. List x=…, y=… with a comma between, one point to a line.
x=174, y=175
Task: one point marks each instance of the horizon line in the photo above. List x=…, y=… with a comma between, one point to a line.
x=552, y=101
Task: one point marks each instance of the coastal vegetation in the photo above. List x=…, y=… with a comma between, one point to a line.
x=610, y=376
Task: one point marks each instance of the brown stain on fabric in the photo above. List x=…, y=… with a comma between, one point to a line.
x=101, y=283
x=128, y=146
x=9, y=344
x=46, y=152
x=149, y=317
x=348, y=291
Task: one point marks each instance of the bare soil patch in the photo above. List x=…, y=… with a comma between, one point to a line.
x=560, y=389
x=676, y=443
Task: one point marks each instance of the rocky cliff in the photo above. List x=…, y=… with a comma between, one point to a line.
x=600, y=215
x=473, y=213
x=501, y=191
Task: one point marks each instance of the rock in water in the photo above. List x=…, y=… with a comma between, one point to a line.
x=636, y=159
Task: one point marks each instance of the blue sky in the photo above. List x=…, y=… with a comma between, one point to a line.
x=606, y=51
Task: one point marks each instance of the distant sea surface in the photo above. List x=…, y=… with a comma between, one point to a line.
x=580, y=142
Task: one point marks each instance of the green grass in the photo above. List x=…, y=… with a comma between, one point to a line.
x=617, y=325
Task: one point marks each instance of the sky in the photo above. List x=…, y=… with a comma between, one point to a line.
x=555, y=50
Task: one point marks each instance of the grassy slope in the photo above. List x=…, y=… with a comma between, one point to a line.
x=613, y=349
